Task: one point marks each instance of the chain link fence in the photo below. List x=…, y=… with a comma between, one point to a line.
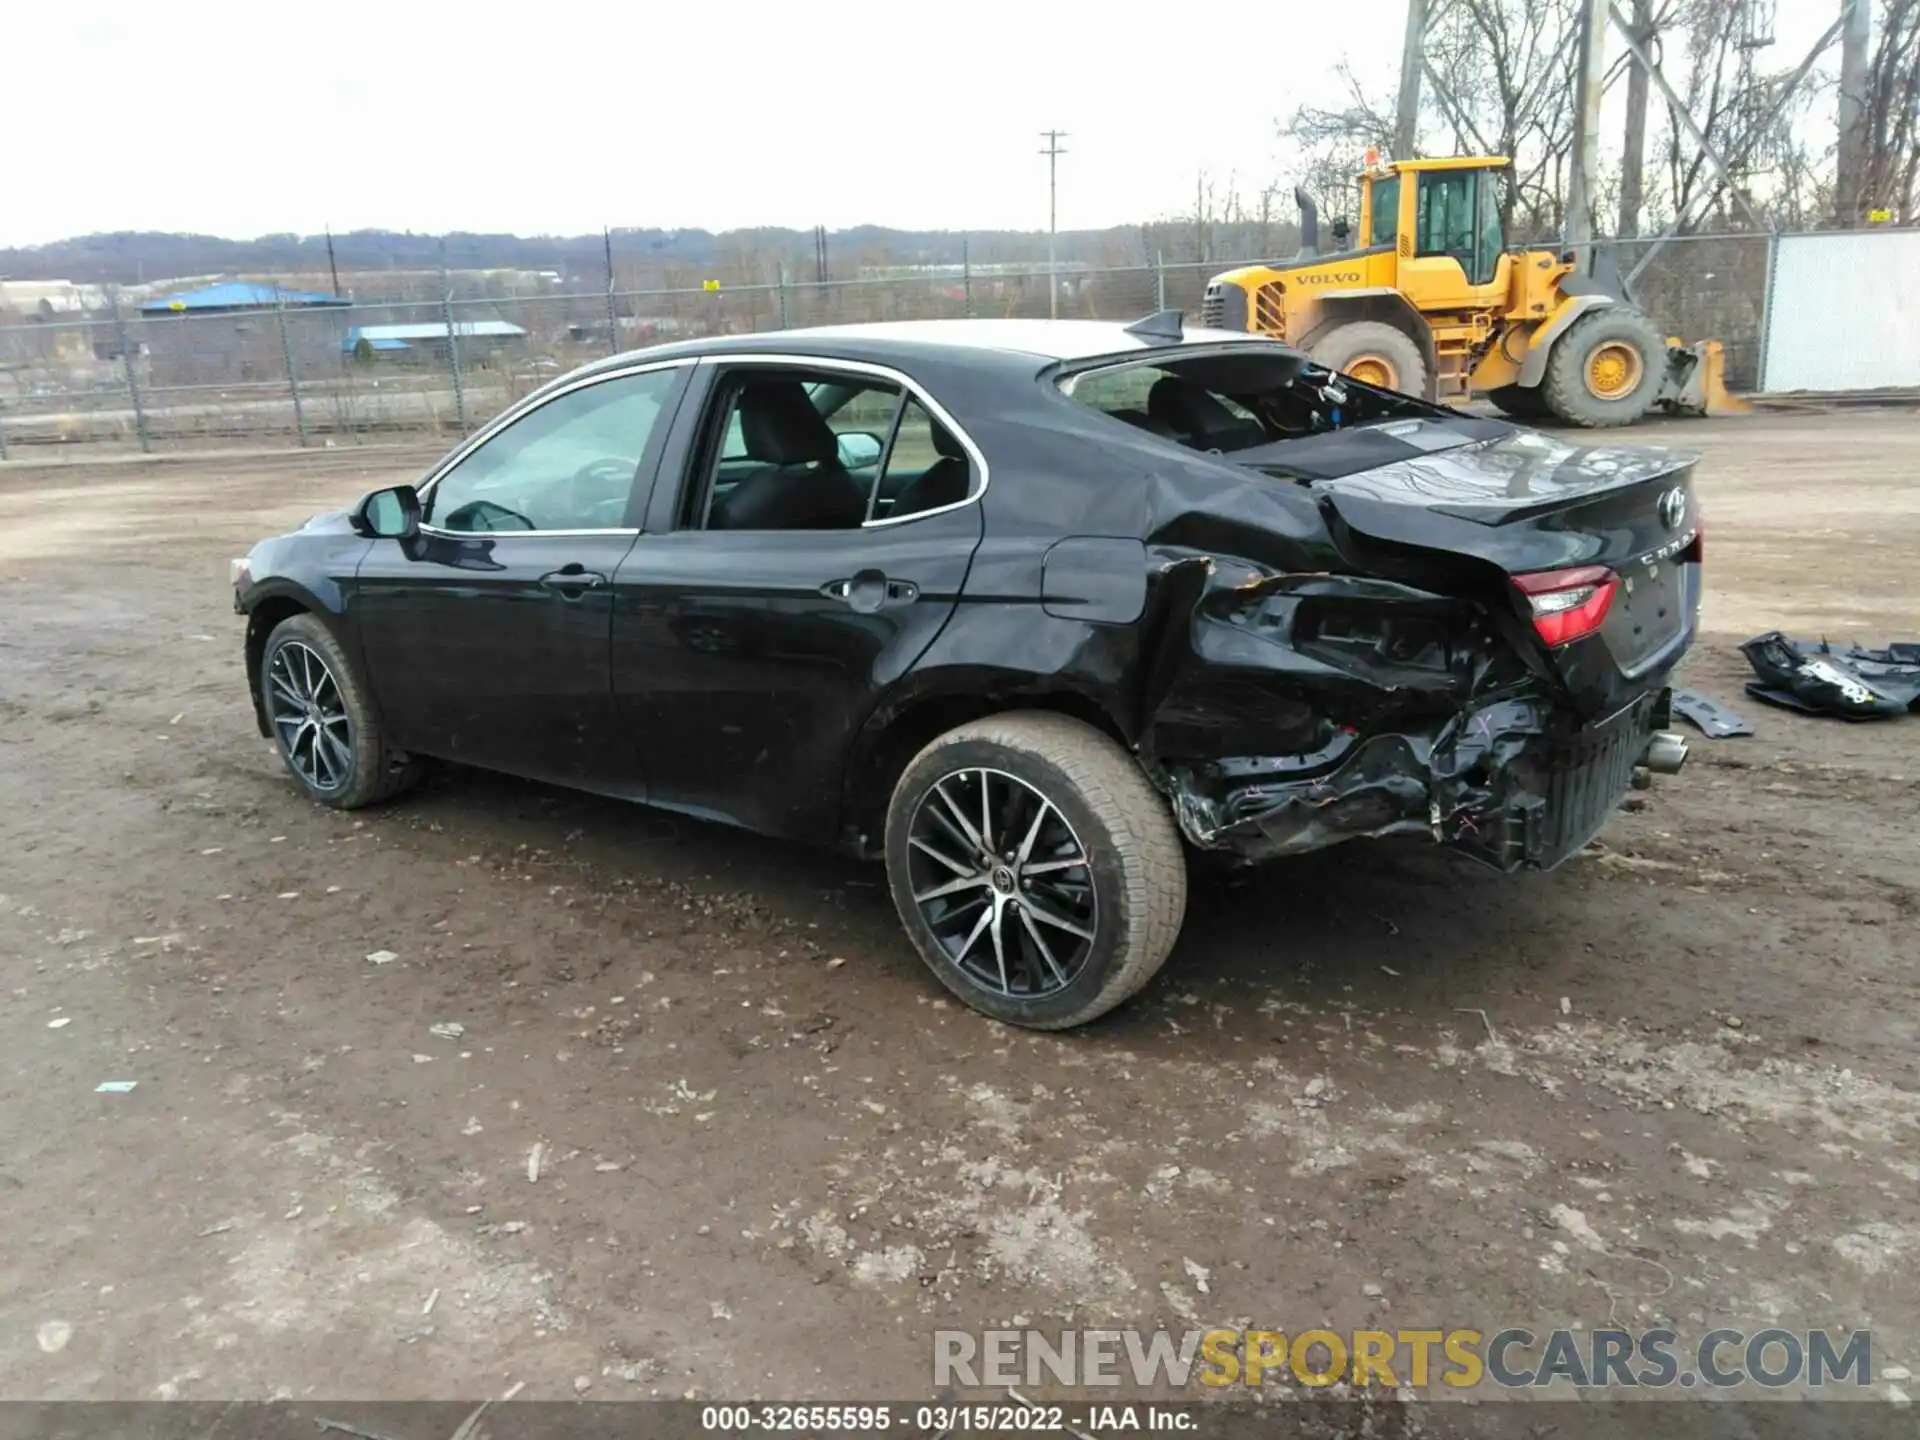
x=301, y=375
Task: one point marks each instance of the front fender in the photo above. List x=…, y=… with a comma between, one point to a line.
x=1533, y=368
x=267, y=602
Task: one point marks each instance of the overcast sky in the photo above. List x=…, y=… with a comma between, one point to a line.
x=243, y=119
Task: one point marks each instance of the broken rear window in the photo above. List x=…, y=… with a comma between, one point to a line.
x=1224, y=403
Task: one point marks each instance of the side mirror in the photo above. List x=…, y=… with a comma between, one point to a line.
x=391, y=514
x=859, y=449
x=1342, y=230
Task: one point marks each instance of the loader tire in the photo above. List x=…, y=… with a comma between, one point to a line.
x=1606, y=370
x=1376, y=354
x=1522, y=402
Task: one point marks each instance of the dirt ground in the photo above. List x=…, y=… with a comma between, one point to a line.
x=1676, y=1081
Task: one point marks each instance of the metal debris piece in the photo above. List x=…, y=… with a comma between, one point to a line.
x=345, y=1429
x=1708, y=716
x=1484, y=1020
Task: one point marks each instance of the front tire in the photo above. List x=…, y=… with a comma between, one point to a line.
x=323, y=721
x=1606, y=370
x=1376, y=354
x=1038, y=873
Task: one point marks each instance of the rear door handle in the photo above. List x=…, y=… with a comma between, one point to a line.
x=869, y=590
x=570, y=582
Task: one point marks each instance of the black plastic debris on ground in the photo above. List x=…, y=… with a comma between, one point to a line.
x=1852, y=682
x=1708, y=715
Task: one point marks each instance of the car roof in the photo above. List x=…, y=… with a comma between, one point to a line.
x=1047, y=341
x=1043, y=339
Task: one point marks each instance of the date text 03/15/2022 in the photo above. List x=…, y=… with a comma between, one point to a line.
x=948, y=1418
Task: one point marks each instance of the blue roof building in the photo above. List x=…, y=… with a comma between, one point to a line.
x=236, y=296
x=400, y=337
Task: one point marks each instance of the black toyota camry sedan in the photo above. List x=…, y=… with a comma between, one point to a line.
x=1025, y=609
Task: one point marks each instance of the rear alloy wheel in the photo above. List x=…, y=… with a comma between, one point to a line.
x=1375, y=354
x=322, y=723
x=1037, y=871
x=1606, y=370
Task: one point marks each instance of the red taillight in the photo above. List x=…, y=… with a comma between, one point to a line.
x=1568, y=604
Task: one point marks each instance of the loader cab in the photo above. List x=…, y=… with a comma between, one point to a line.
x=1443, y=218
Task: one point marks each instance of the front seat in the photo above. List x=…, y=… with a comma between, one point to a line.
x=1200, y=420
x=807, y=488
x=945, y=482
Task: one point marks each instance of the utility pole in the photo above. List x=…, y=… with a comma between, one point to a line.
x=1591, y=87
x=613, y=310
x=453, y=341
x=332, y=268
x=1413, y=60
x=1633, y=150
x=1200, y=217
x=1053, y=152
x=1856, y=41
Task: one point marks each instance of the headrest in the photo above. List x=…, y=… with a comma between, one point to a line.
x=1190, y=410
x=946, y=442
x=780, y=425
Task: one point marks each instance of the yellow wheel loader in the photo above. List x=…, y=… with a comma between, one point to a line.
x=1432, y=302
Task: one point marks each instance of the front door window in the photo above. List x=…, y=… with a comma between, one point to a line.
x=568, y=465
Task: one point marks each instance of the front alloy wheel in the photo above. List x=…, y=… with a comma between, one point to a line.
x=316, y=708
x=309, y=717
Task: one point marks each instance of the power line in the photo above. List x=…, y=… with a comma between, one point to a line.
x=1053, y=152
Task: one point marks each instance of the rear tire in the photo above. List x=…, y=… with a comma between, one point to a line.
x=1521, y=402
x=1078, y=896
x=323, y=720
x=1376, y=354
x=1606, y=370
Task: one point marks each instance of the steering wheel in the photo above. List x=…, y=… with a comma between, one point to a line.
x=481, y=516
x=600, y=488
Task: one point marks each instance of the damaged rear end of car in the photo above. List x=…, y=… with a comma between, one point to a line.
x=1480, y=654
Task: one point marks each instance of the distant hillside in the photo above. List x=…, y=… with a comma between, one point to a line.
x=640, y=256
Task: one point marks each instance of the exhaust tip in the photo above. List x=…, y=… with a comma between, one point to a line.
x=1666, y=752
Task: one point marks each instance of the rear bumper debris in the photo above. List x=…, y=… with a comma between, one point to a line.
x=1506, y=782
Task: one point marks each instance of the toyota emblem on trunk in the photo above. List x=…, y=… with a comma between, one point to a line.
x=1673, y=508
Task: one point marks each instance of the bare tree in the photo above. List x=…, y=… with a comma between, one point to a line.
x=1504, y=83
x=1501, y=82
x=1333, y=140
x=1893, y=114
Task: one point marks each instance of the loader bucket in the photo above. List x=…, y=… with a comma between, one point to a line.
x=1696, y=381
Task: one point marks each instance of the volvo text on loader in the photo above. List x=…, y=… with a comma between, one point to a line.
x=1432, y=302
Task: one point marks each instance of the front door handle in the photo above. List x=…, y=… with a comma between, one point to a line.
x=870, y=590
x=570, y=582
